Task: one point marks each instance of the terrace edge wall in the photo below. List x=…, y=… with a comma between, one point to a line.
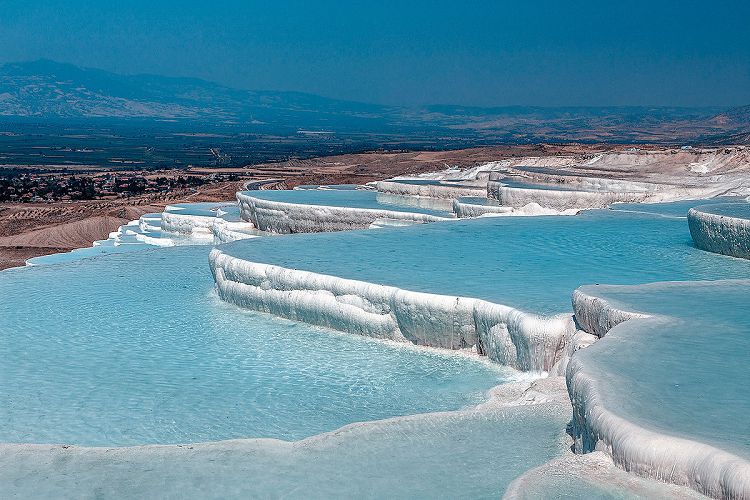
x=720, y=233
x=429, y=190
x=704, y=468
x=284, y=218
x=506, y=335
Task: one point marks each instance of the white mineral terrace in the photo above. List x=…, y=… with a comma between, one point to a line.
x=465, y=207
x=283, y=218
x=722, y=228
x=448, y=191
x=512, y=336
x=558, y=200
x=504, y=334
x=578, y=193
x=509, y=336
x=650, y=452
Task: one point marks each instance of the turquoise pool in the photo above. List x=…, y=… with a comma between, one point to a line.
x=460, y=455
x=685, y=375
x=739, y=210
x=135, y=348
x=355, y=198
x=672, y=209
x=533, y=263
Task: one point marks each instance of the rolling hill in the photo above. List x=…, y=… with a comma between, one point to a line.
x=46, y=90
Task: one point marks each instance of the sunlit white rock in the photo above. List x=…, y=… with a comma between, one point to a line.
x=506, y=335
x=284, y=218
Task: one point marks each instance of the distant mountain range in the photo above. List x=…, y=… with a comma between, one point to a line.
x=47, y=90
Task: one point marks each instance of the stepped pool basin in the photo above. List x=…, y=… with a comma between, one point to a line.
x=475, y=206
x=722, y=228
x=345, y=187
x=431, y=188
x=204, y=209
x=701, y=351
x=478, y=200
x=682, y=415
x=474, y=453
x=135, y=348
x=430, y=182
x=352, y=198
x=522, y=183
x=322, y=210
x=133, y=359
x=171, y=228
x=530, y=263
x=672, y=209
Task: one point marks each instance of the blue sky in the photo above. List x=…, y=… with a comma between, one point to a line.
x=547, y=53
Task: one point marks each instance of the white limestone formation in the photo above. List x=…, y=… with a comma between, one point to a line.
x=429, y=190
x=598, y=316
x=559, y=200
x=285, y=218
x=150, y=222
x=196, y=226
x=465, y=209
x=506, y=335
x=722, y=234
x=702, y=467
x=225, y=231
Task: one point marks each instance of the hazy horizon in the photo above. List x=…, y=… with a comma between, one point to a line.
x=432, y=104
x=546, y=54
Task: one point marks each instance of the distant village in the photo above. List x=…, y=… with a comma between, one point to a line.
x=40, y=188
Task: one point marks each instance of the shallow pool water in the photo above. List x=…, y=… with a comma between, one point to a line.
x=105, y=248
x=687, y=375
x=476, y=200
x=533, y=263
x=355, y=198
x=739, y=210
x=344, y=187
x=135, y=348
x=459, y=455
x=129, y=238
x=671, y=209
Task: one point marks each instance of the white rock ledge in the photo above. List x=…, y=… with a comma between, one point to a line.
x=580, y=193
x=506, y=335
x=702, y=467
x=429, y=190
x=719, y=233
x=175, y=222
x=583, y=183
x=227, y=231
x=559, y=200
x=464, y=209
x=284, y=218
x=597, y=316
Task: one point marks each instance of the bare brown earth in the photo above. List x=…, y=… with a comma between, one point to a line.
x=28, y=230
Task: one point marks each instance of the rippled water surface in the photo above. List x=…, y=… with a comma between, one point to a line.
x=740, y=210
x=686, y=375
x=135, y=348
x=533, y=263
